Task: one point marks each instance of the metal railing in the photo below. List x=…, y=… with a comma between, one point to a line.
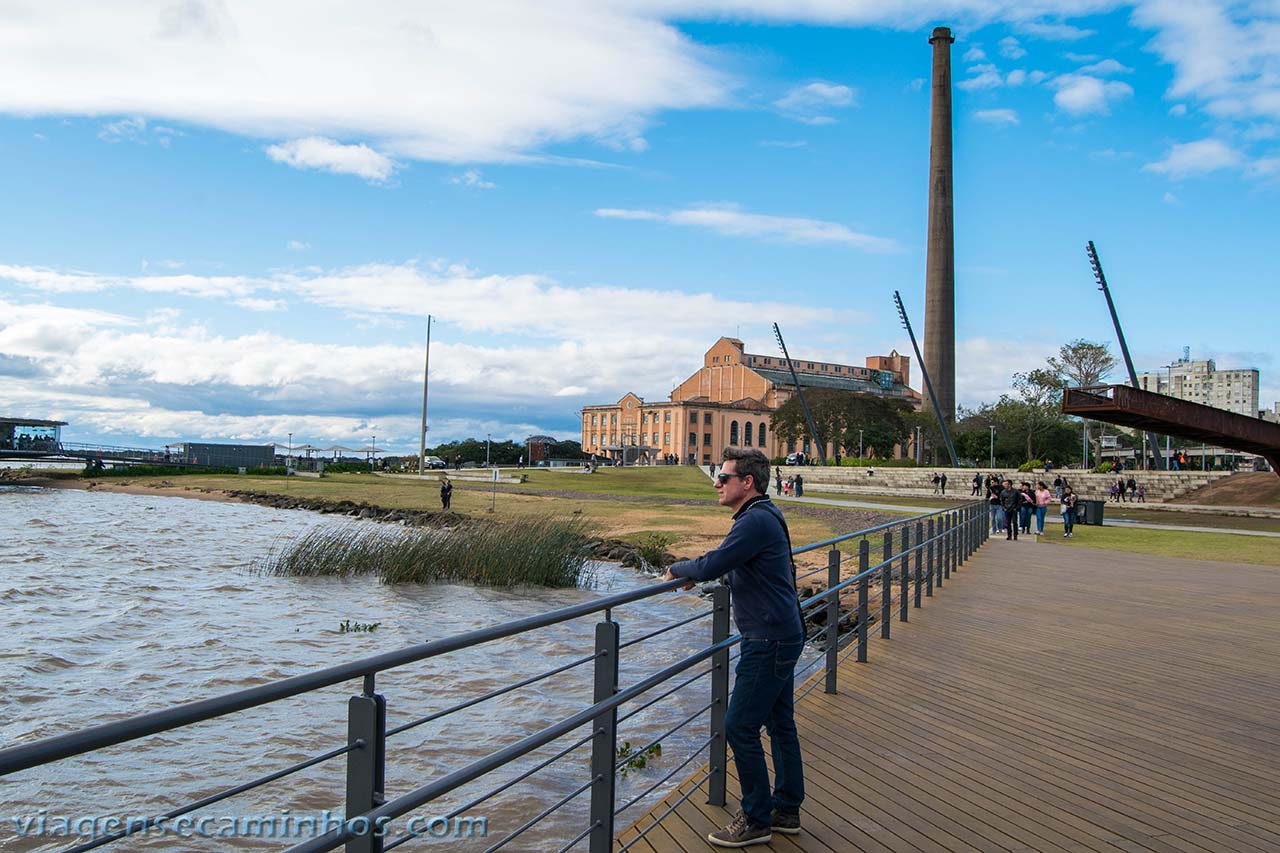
x=925, y=550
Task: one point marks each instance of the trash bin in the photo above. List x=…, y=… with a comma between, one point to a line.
x=1092, y=512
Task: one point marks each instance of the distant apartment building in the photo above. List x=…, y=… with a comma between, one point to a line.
x=730, y=400
x=1201, y=382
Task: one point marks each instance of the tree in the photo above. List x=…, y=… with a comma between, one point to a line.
x=838, y=415
x=1083, y=363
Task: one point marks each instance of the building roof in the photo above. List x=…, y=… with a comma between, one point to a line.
x=845, y=383
x=32, y=422
x=540, y=439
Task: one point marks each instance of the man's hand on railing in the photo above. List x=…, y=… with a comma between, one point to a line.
x=670, y=577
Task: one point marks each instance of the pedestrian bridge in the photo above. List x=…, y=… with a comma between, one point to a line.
x=1050, y=698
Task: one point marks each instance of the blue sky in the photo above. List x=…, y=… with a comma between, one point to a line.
x=229, y=221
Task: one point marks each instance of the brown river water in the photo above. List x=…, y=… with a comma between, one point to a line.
x=113, y=605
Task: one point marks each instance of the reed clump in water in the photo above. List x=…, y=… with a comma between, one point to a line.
x=523, y=552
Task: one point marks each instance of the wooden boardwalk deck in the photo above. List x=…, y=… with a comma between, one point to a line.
x=1046, y=699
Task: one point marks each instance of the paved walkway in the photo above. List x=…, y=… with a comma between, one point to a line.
x=1051, y=518
x=1046, y=699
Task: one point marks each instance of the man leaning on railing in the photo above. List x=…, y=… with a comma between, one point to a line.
x=755, y=562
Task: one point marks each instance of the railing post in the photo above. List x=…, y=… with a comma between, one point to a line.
x=928, y=590
x=919, y=559
x=904, y=582
x=719, y=696
x=886, y=584
x=941, y=559
x=366, y=765
x=864, y=563
x=604, y=741
x=833, y=620
x=948, y=545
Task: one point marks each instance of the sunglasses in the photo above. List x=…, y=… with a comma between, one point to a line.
x=725, y=478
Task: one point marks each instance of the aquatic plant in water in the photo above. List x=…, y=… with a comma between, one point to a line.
x=521, y=552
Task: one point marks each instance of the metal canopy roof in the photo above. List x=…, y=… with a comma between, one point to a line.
x=32, y=422
x=1132, y=407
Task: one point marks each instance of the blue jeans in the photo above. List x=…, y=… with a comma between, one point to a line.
x=1040, y=513
x=1068, y=520
x=764, y=695
x=997, y=518
x=1024, y=518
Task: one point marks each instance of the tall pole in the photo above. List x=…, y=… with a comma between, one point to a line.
x=813, y=430
x=993, y=447
x=1124, y=347
x=928, y=382
x=426, y=372
x=940, y=264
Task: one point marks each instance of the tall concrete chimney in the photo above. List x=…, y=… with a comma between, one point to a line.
x=940, y=264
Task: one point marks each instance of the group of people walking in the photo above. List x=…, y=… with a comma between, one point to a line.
x=1135, y=490
x=1012, y=508
x=791, y=487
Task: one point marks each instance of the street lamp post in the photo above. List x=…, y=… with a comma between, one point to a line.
x=486, y=449
x=373, y=453
x=992, y=463
x=859, y=445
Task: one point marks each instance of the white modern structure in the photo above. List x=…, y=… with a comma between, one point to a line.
x=1202, y=382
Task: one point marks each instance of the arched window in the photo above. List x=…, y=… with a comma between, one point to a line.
x=760, y=435
x=746, y=439
x=733, y=432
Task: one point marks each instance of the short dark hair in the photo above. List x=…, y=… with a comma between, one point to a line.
x=750, y=461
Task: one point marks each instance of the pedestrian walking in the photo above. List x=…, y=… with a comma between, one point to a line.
x=755, y=560
x=1026, y=507
x=1043, y=499
x=1068, y=512
x=936, y=480
x=993, y=505
x=977, y=486
x=446, y=493
x=777, y=481
x=1132, y=485
x=799, y=485
x=1142, y=493
x=944, y=483
x=1057, y=487
x=1010, y=501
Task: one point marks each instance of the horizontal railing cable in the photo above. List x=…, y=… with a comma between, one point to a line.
x=425, y=794
x=664, y=629
x=578, y=837
x=679, y=802
x=668, y=733
x=683, y=764
x=533, y=679
x=132, y=829
x=534, y=821
x=520, y=778
x=86, y=740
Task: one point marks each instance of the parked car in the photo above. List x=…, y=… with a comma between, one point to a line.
x=436, y=462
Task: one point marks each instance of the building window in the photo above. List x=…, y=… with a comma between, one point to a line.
x=655, y=439
x=693, y=439
x=644, y=417
x=733, y=432
x=706, y=438
x=760, y=435
x=613, y=438
x=666, y=417
x=791, y=446
x=810, y=365
x=746, y=437
x=613, y=419
x=666, y=439
x=706, y=418
x=593, y=420
x=693, y=417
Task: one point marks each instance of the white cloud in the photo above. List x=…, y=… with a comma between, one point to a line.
x=1016, y=77
x=250, y=303
x=974, y=54
x=1011, y=49
x=441, y=81
x=1080, y=94
x=1106, y=66
x=1170, y=198
x=733, y=221
x=1052, y=31
x=314, y=152
x=1196, y=158
x=473, y=178
x=989, y=79
x=1178, y=110
x=809, y=102
x=126, y=129
x=998, y=116
x=297, y=246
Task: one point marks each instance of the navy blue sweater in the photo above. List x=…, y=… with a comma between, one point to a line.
x=755, y=561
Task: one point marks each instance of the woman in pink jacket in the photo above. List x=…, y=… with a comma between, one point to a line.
x=1043, y=499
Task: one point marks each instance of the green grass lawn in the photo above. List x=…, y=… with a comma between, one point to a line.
x=1220, y=547
x=1193, y=519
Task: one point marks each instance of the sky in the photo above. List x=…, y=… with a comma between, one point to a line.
x=229, y=221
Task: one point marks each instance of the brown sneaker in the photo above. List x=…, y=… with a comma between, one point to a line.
x=785, y=822
x=741, y=832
